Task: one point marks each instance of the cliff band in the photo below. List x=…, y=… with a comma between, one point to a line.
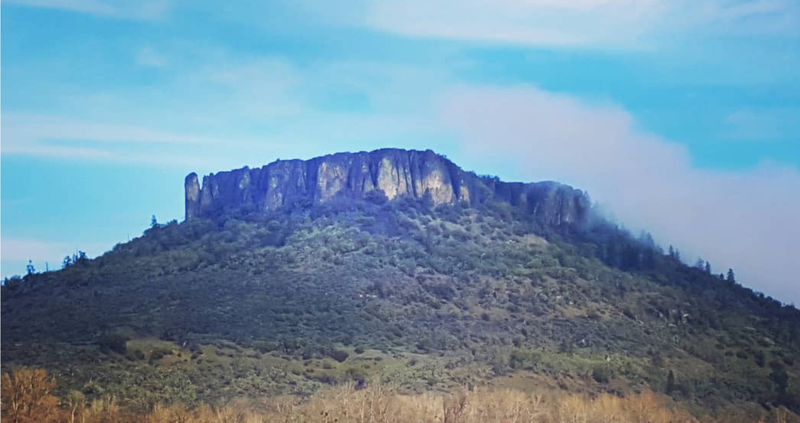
x=392, y=172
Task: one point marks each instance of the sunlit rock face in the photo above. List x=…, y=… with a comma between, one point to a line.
x=394, y=172
x=192, y=187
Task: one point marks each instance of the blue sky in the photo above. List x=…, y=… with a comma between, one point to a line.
x=682, y=117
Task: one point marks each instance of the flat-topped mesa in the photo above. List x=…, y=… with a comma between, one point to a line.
x=392, y=172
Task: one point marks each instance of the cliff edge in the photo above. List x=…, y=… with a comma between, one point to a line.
x=392, y=173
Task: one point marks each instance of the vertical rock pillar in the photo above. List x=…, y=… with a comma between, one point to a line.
x=192, y=189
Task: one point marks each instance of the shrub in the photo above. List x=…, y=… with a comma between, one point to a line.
x=135, y=354
x=357, y=375
x=523, y=359
x=760, y=358
x=601, y=375
x=629, y=313
x=113, y=342
x=376, y=196
x=339, y=355
x=158, y=353
x=425, y=344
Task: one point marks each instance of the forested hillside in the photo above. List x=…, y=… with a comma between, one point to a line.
x=404, y=292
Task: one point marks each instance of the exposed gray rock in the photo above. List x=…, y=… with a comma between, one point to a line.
x=394, y=172
x=192, y=188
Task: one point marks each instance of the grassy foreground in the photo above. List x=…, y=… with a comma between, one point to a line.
x=26, y=397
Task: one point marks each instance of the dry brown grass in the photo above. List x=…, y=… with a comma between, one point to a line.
x=26, y=398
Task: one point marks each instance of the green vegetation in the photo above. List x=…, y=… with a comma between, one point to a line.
x=254, y=304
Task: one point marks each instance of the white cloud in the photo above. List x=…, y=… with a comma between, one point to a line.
x=748, y=220
x=523, y=22
x=117, y=9
x=20, y=128
x=585, y=23
x=56, y=151
x=58, y=137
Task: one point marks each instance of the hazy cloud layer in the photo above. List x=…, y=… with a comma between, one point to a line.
x=747, y=220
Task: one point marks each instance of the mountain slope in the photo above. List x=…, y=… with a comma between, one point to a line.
x=424, y=288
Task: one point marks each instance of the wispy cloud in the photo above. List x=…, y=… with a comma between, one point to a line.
x=745, y=219
x=55, y=151
x=264, y=105
x=748, y=17
x=587, y=23
x=22, y=128
x=116, y=9
x=64, y=138
x=527, y=23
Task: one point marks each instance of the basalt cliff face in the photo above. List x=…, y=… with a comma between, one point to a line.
x=392, y=173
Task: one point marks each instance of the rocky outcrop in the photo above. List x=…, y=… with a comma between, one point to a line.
x=391, y=172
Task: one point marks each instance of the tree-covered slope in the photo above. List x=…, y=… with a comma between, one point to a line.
x=423, y=296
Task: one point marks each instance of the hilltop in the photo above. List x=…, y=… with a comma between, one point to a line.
x=400, y=267
x=386, y=174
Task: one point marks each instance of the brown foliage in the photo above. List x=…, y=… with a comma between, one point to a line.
x=26, y=398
